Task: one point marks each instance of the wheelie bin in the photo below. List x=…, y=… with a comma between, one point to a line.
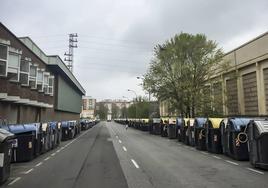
x=178, y=127
x=213, y=135
x=23, y=143
x=172, y=128
x=5, y=154
x=237, y=138
x=58, y=141
x=54, y=134
x=224, y=137
x=164, y=125
x=190, y=132
x=257, y=132
x=84, y=124
x=200, y=133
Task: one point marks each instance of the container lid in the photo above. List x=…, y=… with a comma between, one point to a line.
x=145, y=120
x=179, y=121
x=215, y=122
x=17, y=129
x=172, y=121
x=237, y=123
x=200, y=122
x=4, y=134
x=64, y=124
x=156, y=120
x=44, y=126
x=262, y=126
x=53, y=125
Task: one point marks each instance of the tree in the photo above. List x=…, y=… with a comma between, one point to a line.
x=181, y=70
x=115, y=111
x=143, y=107
x=102, y=111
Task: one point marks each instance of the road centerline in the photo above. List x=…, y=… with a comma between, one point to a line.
x=135, y=163
x=257, y=171
x=231, y=162
x=124, y=148
x=38, y=164
x=14, y=181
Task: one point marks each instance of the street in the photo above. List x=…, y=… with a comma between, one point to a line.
x=108, y=155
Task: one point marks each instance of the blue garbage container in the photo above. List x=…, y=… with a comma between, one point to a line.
x=200, y=133
x=46, y=137
x=68, y=130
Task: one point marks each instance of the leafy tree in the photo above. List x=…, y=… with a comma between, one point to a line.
x=181, y=70
x=102, y=111
x=115, y=111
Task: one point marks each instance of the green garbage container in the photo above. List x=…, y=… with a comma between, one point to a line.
x=5, y=154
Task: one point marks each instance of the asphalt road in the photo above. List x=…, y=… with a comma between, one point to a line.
x=108, y=155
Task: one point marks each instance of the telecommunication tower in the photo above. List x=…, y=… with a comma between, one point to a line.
x=69, y=56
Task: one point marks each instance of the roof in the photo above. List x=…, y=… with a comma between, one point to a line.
x=53, y=60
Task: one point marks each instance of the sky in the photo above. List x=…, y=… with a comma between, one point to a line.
x=116, y=37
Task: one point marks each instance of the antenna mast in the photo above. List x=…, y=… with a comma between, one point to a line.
x=69, y=56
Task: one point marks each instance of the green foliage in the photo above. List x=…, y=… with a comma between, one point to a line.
x=181, y=69
x=102, y=111
x=143, y=108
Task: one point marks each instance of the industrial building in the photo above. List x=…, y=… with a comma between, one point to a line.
x=243, y=87
x=35, y=87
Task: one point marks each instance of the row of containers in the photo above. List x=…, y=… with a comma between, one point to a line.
x=240, y=138
x=24, y=142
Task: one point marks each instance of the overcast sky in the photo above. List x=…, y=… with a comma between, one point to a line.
x=116, y=37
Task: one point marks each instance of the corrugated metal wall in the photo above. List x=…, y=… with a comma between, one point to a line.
x=250, y=93
x=265, y=77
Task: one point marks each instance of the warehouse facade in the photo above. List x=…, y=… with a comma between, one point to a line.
x=35, y=87
x=242, y=89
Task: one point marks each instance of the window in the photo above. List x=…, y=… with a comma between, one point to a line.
x=32, y=77
x=46, y=82
x=3, y=60
x=50, y=85
x=13, y=66
x=24, y=72
x=40, y=78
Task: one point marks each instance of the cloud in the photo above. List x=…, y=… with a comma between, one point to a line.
x=116, y=38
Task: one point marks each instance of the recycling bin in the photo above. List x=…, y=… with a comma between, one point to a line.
x=23, y=142
x=5, y=154
x=237, y=147
x=213, y=135
x=172, y=128
x=54, y=134
x=224, y=137
x=84, y=124
x=58, y=141
x=178, y=128
x=144, y=124
x=68, y=131
x=257, y=132
x=183, y=130
x=190, y=132
x=200, y=133
x=46, y=137
x=38, y=143
x=155, y=126
x=164, y=125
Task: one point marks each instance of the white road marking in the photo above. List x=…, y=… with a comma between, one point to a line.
x=231, y=162
x=135, y=164
x=53, y=154
x=257, y=171
x=14, y=181
x=205, y=153
x=124, y=148
x=46, y=158
x=62, y=147
x=58, y=150
x=120, y=141
x=27, y=172
x=39, y=164
x=216, y=157
x=192, y=148
x=116, y=136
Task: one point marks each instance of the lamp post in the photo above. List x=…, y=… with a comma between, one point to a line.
x=136, y=101
x=142, y=78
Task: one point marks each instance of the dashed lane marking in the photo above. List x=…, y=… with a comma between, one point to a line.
x=46, y=158
x=216, y=157
x=205, y=153
x=39, y=164
x=120, y=141
x=257, y=171
x=135, y=163
x=14, y=181
x=116, y=136
x=231, y=162
x=124, y=148
x=53, y=154
x=28, y=171
x=58, y=150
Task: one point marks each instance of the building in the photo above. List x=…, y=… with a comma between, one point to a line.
x=243, y=88
x=89, y=107
x=35, y=87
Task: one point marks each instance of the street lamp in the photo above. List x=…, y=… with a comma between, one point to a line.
x=136, y=101
x=142, y=78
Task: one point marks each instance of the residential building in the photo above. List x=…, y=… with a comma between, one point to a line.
x=89, y=107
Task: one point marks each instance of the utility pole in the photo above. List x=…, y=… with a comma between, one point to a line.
x=69, y=56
